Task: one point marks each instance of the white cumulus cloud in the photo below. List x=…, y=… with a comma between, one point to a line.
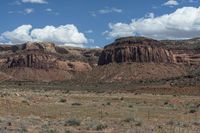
x=48, y=10
x=62, y=35
x=171, y=3
x=110, y=10
x=120, y=30
x=89, y=31
x=67, y=34
x=183, y=23
x=106, y=10
x=28, y=10
x=19, y=35
x=35, y=1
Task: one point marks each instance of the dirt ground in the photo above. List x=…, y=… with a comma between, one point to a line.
x=59, y=111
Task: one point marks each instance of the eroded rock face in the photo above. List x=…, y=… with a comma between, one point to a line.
x=135, y=49
x=39, y=61
x=185, y=51
x=40, y=46
x=31, y=59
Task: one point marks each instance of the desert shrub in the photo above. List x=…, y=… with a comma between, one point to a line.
x=108, y=103
x=66, y=91
x=68, y=131
x=130, y=106
x=23, y=129
x=25, y=102
x=76, y=104
x=101, y=126
x=9, y=124
x=138, y=124
x=165, y=103
x=196, y=123
x=63, y=100
x=173, y=123
x=53, y=130
x=4, y=94
x=134, y=121
x=72, y=122
x=44, y=128
x=192, y=111
x=122, y=98
x=91, y=124
x=130, y=119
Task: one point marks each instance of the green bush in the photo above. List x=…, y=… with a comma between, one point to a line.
x=72, y=122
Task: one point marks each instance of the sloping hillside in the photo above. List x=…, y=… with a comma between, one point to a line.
x=133, y=59
x=127, y=72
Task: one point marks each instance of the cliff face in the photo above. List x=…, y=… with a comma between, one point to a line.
x=32, y=59
x=39, y=61
x=185, y=51
x=135, y=49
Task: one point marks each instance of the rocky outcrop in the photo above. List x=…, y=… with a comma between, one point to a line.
x=39, y=61
x=189, y=57
x=39, y=46
x=186, y=44
x=82, y=54
x=32, y=59
x=135, y=49
x=185, y=51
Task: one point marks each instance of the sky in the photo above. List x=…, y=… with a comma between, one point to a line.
x=96, y=23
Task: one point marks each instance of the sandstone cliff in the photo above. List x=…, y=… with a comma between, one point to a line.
x=135, y=49
x=39, y=61
x=134, y=59
x=185, y=51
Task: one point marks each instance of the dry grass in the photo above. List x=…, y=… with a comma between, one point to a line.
x=36, y=111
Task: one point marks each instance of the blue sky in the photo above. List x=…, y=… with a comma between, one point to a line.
x=91, y=23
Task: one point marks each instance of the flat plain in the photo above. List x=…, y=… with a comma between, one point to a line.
x=67, y=109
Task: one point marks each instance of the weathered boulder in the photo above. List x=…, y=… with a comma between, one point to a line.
x=135, y=49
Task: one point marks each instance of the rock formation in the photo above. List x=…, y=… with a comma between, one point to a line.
x=39, y=61
x=185, y=51
x=130, y=58
x=135, y=49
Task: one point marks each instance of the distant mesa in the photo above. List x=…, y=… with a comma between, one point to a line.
x=29, y=46
x=43, y=46
x=41, y=61
x=135, y=49
x=126, y=59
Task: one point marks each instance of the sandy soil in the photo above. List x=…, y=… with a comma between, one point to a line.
x=81, y=111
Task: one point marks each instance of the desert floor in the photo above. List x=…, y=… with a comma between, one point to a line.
x=64, y=111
